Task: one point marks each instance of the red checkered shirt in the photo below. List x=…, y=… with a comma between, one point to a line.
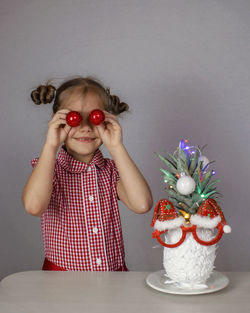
x=81, y=227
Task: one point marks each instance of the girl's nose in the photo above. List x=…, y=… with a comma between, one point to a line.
x=85, y=123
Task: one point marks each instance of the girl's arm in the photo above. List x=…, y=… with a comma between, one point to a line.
x=38, y=189
x=132, y=188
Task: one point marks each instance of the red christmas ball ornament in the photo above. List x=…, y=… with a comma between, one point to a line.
x=73, y=119
x=96, y=117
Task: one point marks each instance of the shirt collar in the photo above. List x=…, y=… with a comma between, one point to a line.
x=74, y=166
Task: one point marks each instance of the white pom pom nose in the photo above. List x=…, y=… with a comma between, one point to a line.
x=227, y=229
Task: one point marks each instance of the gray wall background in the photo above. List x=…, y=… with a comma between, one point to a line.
x=183, y=66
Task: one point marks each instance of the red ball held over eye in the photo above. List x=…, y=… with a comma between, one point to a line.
x=96, y=117
x=73, y=119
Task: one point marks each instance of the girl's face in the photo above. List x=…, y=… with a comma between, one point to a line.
x=83, y=140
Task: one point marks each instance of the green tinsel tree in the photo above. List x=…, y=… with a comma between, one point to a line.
x=188, y=162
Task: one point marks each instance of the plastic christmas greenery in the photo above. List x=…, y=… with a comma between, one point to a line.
x=187, y=161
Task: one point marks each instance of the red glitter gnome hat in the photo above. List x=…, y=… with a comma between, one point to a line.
x=165, y=216
x=209, y=215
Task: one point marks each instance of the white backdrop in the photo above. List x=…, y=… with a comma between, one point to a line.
x=182, y=66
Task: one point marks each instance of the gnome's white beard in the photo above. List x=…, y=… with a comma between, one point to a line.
x=190, y=264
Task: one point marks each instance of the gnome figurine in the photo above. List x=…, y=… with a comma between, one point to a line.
x=191, y=220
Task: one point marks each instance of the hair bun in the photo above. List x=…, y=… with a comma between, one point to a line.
x=116, y=106
x=43, y=94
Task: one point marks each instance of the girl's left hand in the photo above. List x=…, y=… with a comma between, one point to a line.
x=110, y=131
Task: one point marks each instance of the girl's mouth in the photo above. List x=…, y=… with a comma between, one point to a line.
x=85, y=139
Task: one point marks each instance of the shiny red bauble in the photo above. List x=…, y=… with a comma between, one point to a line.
x=73, y=119
x=96, y=117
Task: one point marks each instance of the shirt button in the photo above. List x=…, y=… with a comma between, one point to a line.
x=91, y=198
x=88, y=169
x=98, y=261
x=95, y=230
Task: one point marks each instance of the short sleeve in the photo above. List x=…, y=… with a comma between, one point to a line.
x=33, y=164
x=115, y=171
x=115, y=176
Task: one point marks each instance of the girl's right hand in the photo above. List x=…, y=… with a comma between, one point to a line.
x=58, y=129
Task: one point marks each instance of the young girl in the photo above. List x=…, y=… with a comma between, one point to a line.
x=76, y=190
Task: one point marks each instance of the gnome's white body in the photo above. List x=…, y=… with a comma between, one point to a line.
x=190, y=242
x=190, y=264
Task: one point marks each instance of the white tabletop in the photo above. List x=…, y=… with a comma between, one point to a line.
x=52, y=292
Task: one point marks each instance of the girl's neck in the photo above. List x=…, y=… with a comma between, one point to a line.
x=86, y=159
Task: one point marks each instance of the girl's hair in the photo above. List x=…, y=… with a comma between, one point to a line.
x=47, y=93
